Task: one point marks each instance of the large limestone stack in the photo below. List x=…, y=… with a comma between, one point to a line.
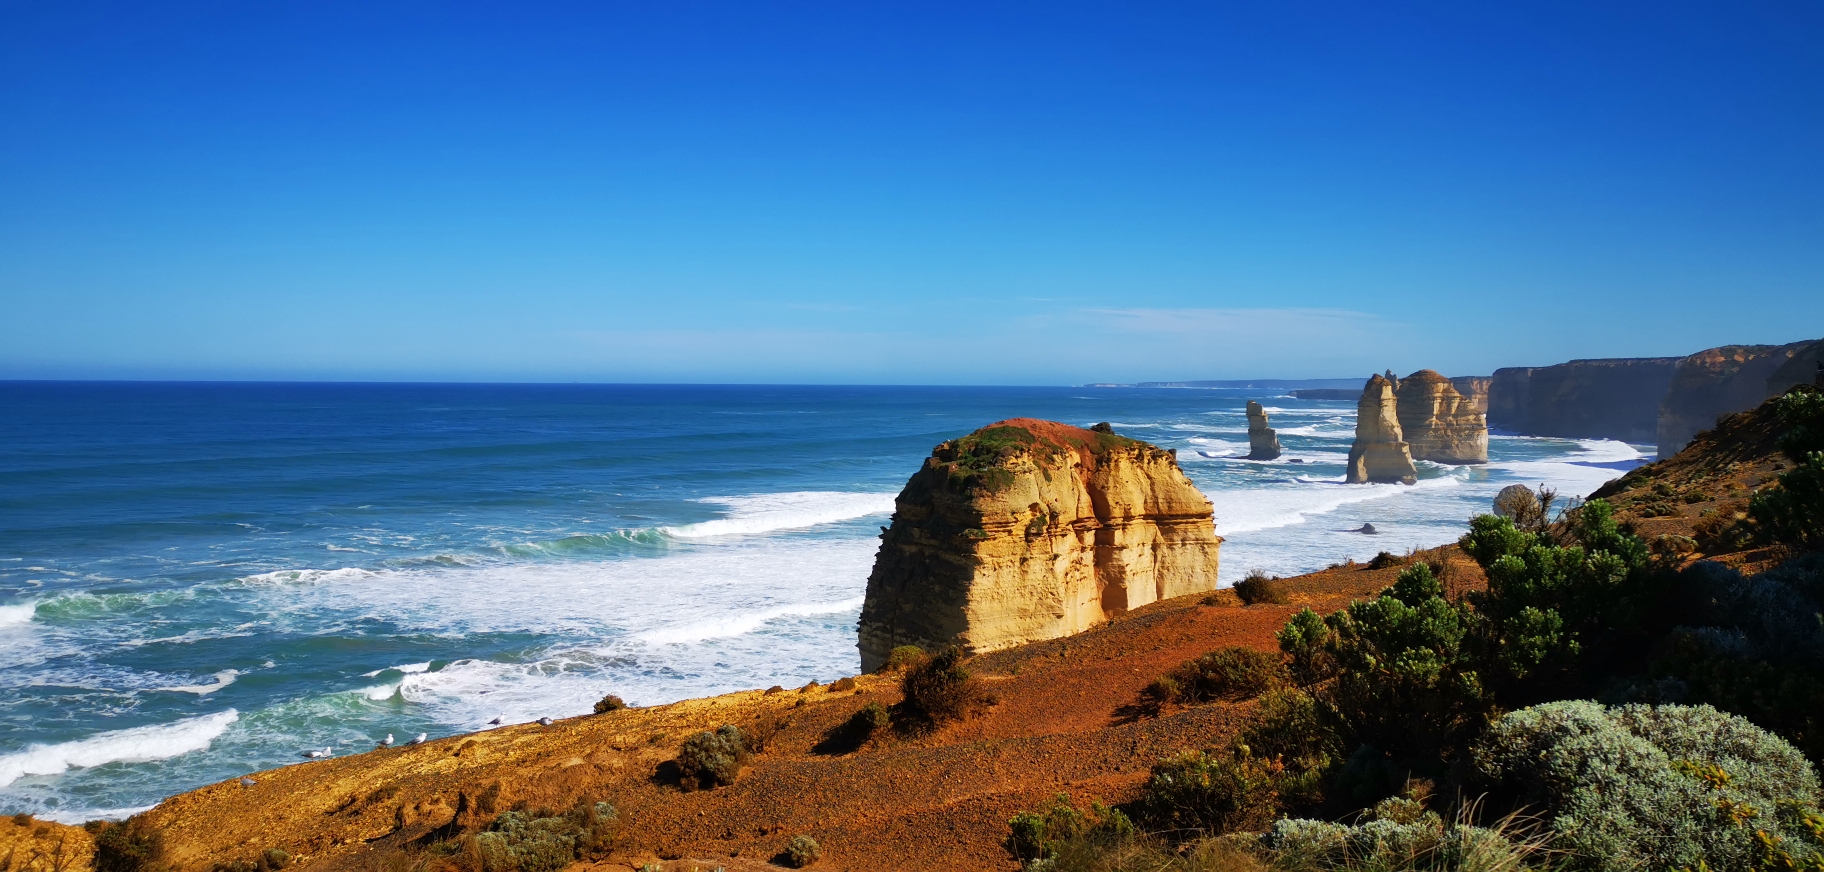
x=1380, y=453
x=1028, y=530
x=1263, y=443
x=1439, y=423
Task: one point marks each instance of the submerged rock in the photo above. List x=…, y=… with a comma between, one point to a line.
x=1027, y=530
x=1263, y=443
x=1380, y=452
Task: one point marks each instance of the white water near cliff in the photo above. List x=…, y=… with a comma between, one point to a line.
x=386, y=575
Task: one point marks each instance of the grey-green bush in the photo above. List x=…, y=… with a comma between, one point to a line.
x=520, y=842
x=802, y=851
x=1616, y=788
x=708, y=759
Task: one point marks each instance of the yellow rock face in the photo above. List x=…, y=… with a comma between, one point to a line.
x=1380, y=452
x=1438, y=422
x=1028, y=530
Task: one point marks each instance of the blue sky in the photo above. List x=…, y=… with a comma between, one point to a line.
x=900, y=193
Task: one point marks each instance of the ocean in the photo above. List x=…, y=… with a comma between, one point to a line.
x=198, y=581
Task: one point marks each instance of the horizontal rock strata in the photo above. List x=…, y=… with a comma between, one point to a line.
x=1027, y=530
x=1438, y=423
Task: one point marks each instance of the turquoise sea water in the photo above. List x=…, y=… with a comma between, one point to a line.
x=203, y=580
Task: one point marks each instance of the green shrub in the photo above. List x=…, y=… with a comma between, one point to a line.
x=902, y=657
x=1259, y=587
x=1620, y=787
x=1304, y=641
x=939, y=690
x=1040, y=835
x=1391, y=837
x=1231, y=673
x=709, y=759
x=132, y=845
x=539, y=842
x=1290, y=726
x=864, y=725
x=609, y=703
x=1198, y=792
x=802, y=851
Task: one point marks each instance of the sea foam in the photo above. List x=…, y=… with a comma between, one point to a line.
x=17, y=615
x=132, y=745
x=769, y=513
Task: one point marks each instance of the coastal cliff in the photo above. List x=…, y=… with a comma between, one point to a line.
x=1474, y=388
x=1805, y=368
x=1615, y=398
x=1263, y=443
x=1380, y=452
x=1437, y=422
x=1717, y=381
x=1027, y=530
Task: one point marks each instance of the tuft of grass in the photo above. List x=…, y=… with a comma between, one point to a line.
x=1232, y=673
x=939, y=690
x=609, y=703
x=1259, y=587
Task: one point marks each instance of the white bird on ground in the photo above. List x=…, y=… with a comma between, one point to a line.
x=318, y=755
x=247, y=782
x=387, y=742
x=421, y=739
x=545, y=722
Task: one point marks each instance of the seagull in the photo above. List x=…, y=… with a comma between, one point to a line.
x=387, y=742
x=421, y=739
x=247, y=782
x=496, y=721
x=545, y=722
x=318, y=755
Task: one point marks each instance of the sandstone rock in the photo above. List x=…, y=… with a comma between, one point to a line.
x=1438, y=423
x=1027, y=530
x=1615, y=398
x=1717, y=381
x=1263, y=443
x=1474, y=388
x=1380, y=453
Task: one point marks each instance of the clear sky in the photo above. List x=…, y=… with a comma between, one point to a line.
x=900, y=192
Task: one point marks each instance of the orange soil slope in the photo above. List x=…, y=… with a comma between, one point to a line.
x=1068, y=718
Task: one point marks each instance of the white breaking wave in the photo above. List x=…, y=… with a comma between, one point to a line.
x=17, y=616
x=408, y=669
x=741, y=624
x=222, y=679
x=1247, y=510
x=306, y=576
x=133, y=745
x=768, y=513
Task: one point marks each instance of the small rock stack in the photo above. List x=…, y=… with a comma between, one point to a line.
x=1263, y=443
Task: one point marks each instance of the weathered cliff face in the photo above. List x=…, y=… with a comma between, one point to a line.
x=1584, y=399
x=1805, y=368
x=1474, y=388
x=1717, y=381
x=1027, y=530
x=1380, y=453
x=1437, y=422
x=1263, y=443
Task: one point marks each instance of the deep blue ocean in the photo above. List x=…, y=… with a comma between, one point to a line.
x=198, y=581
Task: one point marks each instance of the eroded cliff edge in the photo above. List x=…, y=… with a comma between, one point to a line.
x=1027, y=530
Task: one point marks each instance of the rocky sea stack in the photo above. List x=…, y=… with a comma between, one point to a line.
x=1027, y=530
x=1380, y=452
x=1439, y=423
x=1263, y=443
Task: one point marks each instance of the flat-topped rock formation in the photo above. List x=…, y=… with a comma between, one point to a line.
x=1380, y=452
x=1027, y=530
x=1263, y=443
x=1438, y=423
x=1717, y=381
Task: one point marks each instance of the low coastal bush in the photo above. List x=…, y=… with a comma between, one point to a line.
x=1792, y=512
x=902, y=657
x=708, y=759
x=132, y=845
x=802, y=851
x=609, y=703
x=1259, y=587
x=1061, y=828
x=1659, y=787
x=534, y=841
x=1232, y=673
x=939, y=690
x=1197, y=792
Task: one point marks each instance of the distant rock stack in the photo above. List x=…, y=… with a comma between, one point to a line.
x=1439, y=423
x=1474, y=388
x=1263, y=443
x=1380, y=453
x=1027, y=530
